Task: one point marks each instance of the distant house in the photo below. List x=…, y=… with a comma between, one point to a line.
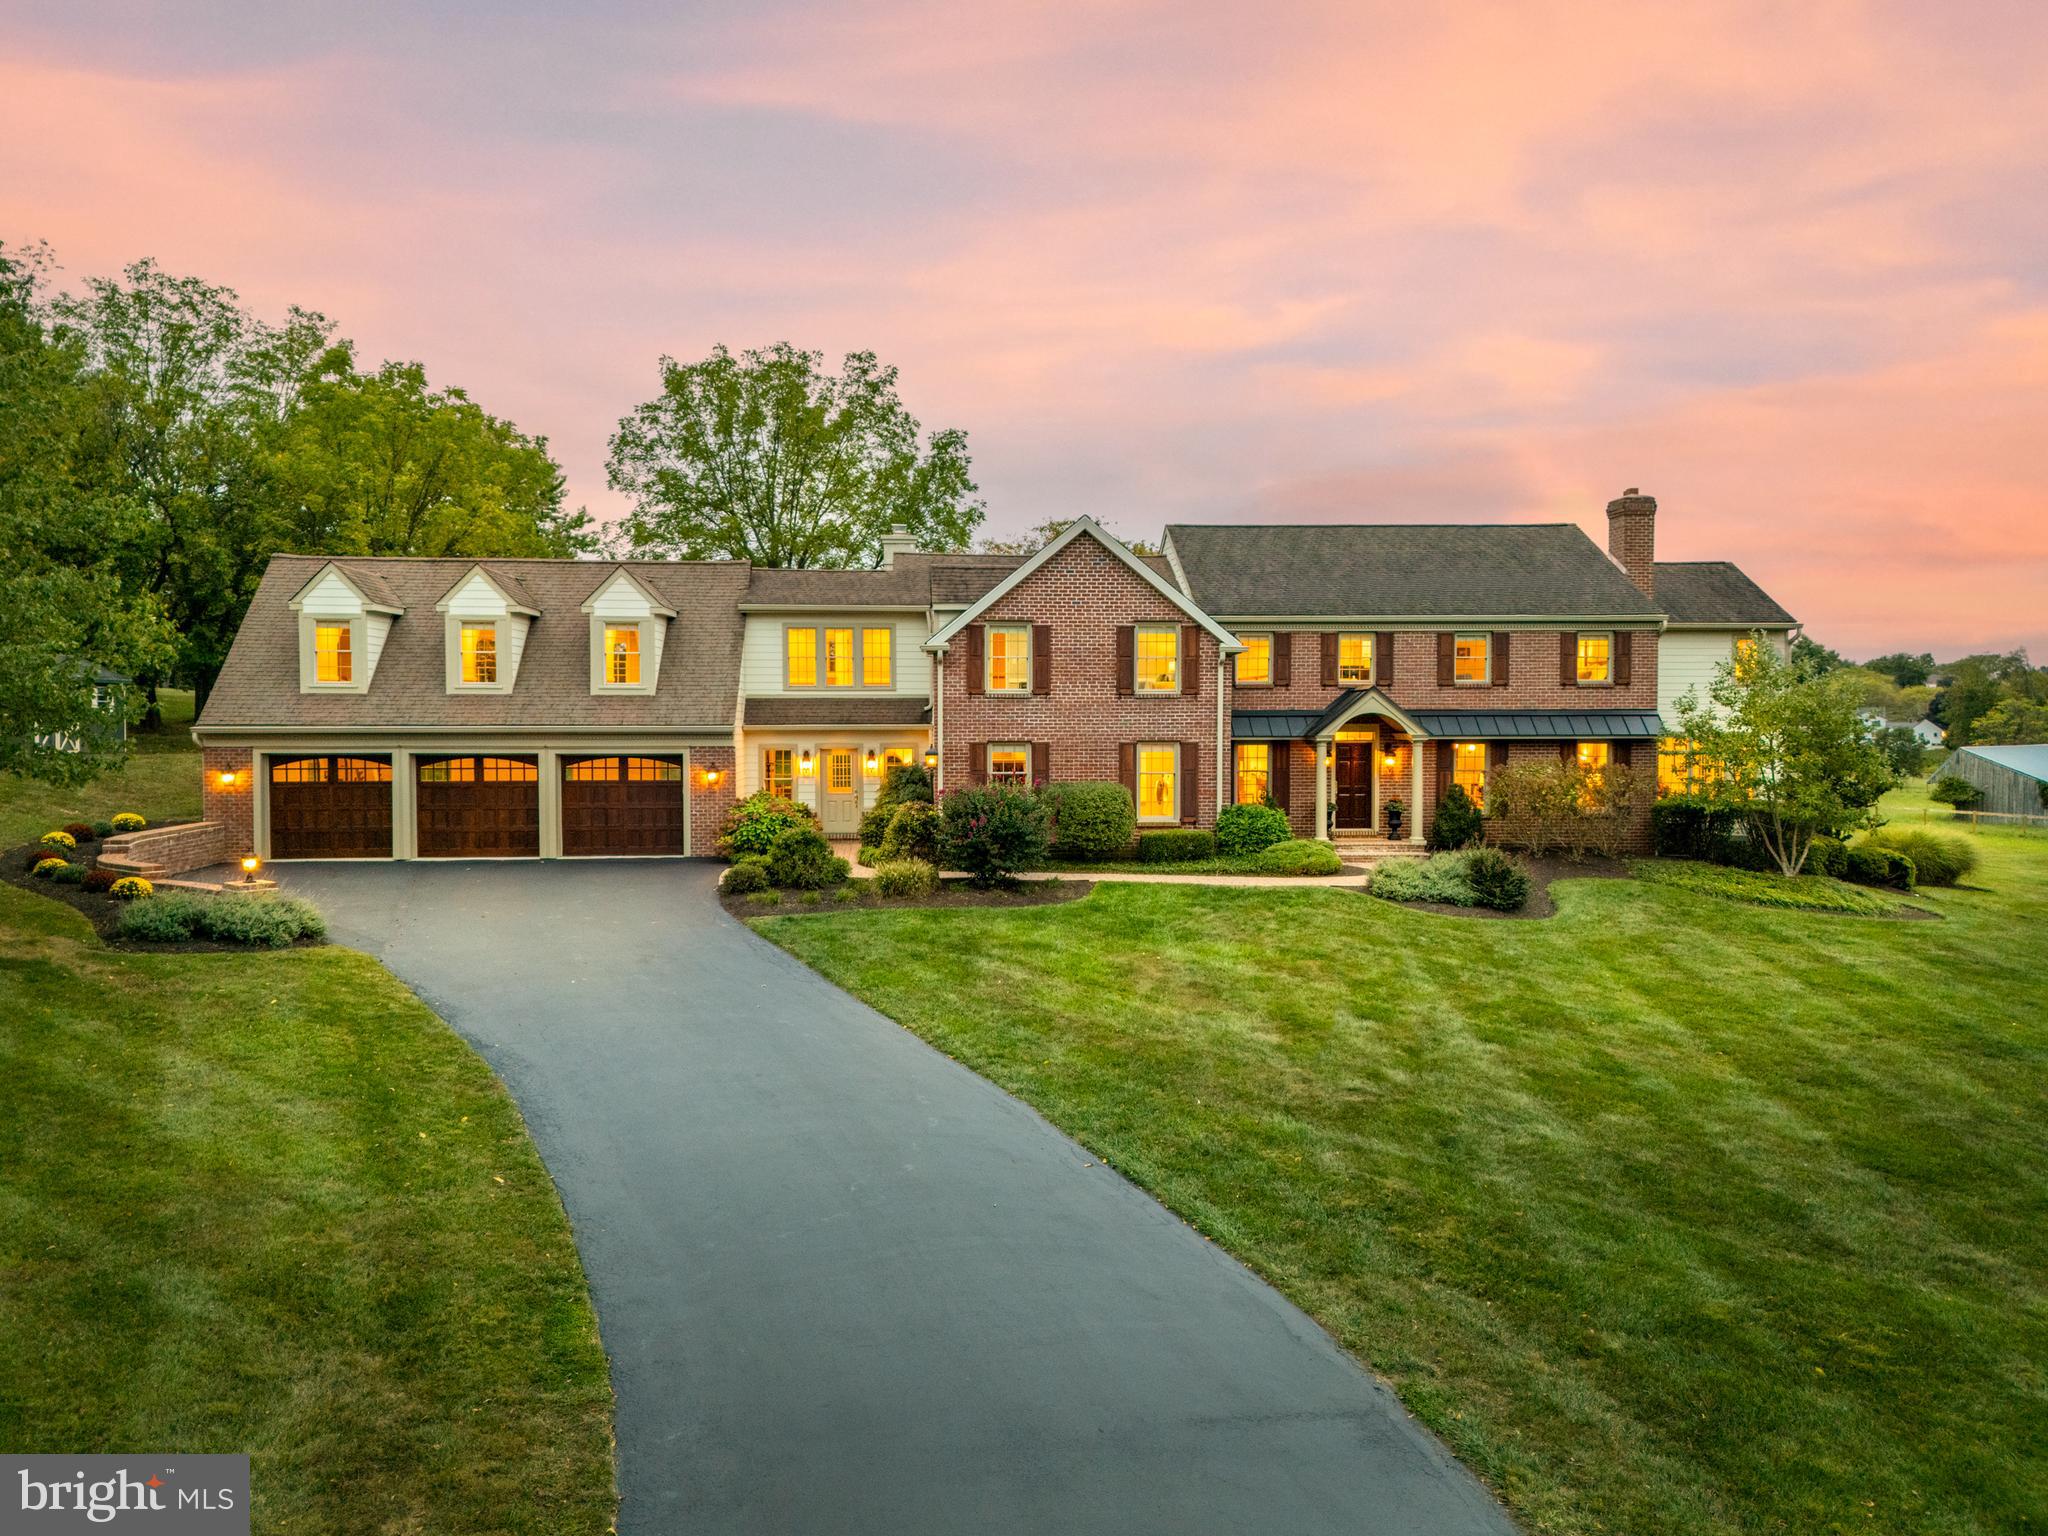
x=109, y=697
x=1925, y=731
x=2010, y=777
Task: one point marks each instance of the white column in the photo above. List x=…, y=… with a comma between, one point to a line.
x=1322, y=829
x=1415, y=800
x=405, y=817
x=550, y=803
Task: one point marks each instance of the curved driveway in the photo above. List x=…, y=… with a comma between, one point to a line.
x=845, y=1284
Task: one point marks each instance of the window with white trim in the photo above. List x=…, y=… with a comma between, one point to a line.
x=1354, y=657
x=1158, y=781
x=1009, y=658
x=1468, y=769
x=875, y=660
x=1596, y=658
x=1009, y=762
x=479, y=653
x=622, y=655
x=800, y=658
x=778, y=771
x=1471, y=659
x=1254, y=772
x=1255, y=661
x=333, y=652
x=1158, y=658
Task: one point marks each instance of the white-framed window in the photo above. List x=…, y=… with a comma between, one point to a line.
x=1354, y=657
x=622, y=655
x=1009, y=762
x=1254, y=771
x=333, y=651
x=1596, y=658
x=800, y=658
x=778, y=771
x=1157, y=652
x=479, y=653
x=1158, y=781
x=1472, y=659
x=1009, y=658
x=877, y=658
x=1468, y=769
x=1255, y=661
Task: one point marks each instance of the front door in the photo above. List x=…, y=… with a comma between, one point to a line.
x=1354, y=784
x=842, y=805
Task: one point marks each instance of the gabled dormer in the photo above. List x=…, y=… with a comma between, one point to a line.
x=485, y=616
x=345, y=614
x=628, y=627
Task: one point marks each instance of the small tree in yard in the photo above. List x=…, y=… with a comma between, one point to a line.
x=992, y=832
x=1791, y=755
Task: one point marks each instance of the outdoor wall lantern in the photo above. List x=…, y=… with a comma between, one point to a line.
x=1391, y=758
x=874, y=763
x=711, y=778
x=931, y=760
x=225, y=778
x=804, y=763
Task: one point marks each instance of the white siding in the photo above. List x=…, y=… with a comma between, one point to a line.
x=376, y=629
x=909, y=670
x=621, y=598
x=1688, y=659
x=332, y=598
x=477, y=599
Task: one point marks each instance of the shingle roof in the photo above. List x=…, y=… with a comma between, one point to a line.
x=698, y=684
x=1715, y=592
x=907, y=585
x=957, y=580
x=1403, y=570
x=857, y=709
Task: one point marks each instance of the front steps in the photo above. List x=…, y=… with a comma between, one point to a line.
x=1374, y=848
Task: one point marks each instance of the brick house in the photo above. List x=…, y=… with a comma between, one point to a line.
x=413, y=708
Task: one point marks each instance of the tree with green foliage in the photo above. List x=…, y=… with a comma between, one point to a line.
x=1791, y=753
x=2011, y=722
x=1977, y=684
x=1812, y=659
x=69, y=604
x=1042, y=534
x=764, y=456
x=1905, y=671
x=1901, y=748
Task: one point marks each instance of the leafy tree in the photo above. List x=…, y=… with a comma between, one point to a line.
x=1790, y=751
x=1977, y=684
x=1906, y=671
x=67, y=606
x=1901, y=748
x=1042, y=534
x=764, y=457
x=1812, y=659
x=2011, y=722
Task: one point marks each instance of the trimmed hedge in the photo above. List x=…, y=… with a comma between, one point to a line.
x=1089, y=818
x=905, y=877
x=1242, y=829
x=1939, y=858
x=1827, y=856
x=801, y=860
x=178, y=917
x=1176, y=845
x=1690, y=827
x=746, y=876
x=1297, y=856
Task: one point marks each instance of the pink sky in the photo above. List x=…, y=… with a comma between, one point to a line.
x=1784, y=266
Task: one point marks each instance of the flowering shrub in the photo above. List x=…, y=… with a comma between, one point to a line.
x=97, y=879
x=128, y=887
x=59, y=840
x=753, y=825
x=992, y=831
x=80, y=832
x=128, y=821
x=46, y=867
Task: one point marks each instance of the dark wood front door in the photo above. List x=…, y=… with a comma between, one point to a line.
x=622, y=806
x=1354, y=784
x=330, y=808
x=479, y=807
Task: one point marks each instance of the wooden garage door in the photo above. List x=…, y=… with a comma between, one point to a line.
x=623, y=805
x=479, y=807
x=330, y=808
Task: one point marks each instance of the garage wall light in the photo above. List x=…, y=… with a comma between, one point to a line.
x=712, y=776
x=225, y=778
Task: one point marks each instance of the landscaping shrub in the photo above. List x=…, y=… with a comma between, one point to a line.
x=1442, y=877
x=48, y=865
x=1953, y=789
x=905, y=784
x=905, y=877
x=1564, y=808
x=80, y=832
x=1939, y=858
x=1457, y=820
x=753, y=825
x=62, y=840
x=1242, y=829
x=1827, y=856
x=128, y=821
x=872, y=825
x=39, y=852
x=745, y=877
x=102, y=829
x=913, y=832
x=801, y=860
x=1176, y=845
x=1865, y=865
x=264, y=922
x=1089, y=819
x=1296, y=856
x=1497, y=881
x=97, y=879
x=992, y=832
x=170, y=919
x=1690, y=827
x=129, y=887
x=70, y=874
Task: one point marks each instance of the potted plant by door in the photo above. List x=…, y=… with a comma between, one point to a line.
x=1397, y=811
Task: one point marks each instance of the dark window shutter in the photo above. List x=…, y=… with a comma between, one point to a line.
x=1383, y=660
x=1624, y=656
x=977, y=762
x=1445, y=759
x=1041, y=762
x=1277, y=759
x=1496, y=756
x=1190, y=782
x=1041, y=659
x=1126, y=665
x=1127, y=768
x=1567, y=752
x=1621, y=752
x=1498, y=658
x=1329, y=661
x=1568, y=659
x=977, y=669
x=1283, y=658
x=1446, y=659
x=1191, y=661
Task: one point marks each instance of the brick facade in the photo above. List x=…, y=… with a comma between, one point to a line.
x=1083, y=595
x=1632, y=537
x=709, y=803
x=232, y=807
x=160, y=851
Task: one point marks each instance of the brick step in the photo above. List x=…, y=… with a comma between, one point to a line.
x=128, y=865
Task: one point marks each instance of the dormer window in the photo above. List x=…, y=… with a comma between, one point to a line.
x=479, y=653
x=628, y=629
x=333, y=653
x=622, y=655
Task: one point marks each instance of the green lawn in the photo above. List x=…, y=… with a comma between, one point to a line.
x=269, y=1203
x=1669, y=1213
x=160, y=780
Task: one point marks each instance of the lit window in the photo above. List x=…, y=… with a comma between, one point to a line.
x=801, y=647
x=361, y=770
x=1009, y=764
x=1255, y=661
x=333, y=661
x=1469, y=659
x=898, y=757
x=1159, y=782
x=622, y=654
x=1254, y=772
x=839, y=772
x=509, y=770
x=1158, y=654
x=1596, y=658
x=874, y=657
x=449, y=770
x=778, y=770
x=593, y=770
x=1594, y=755
x=479, y=653
x=838, y=658
x=1009, y=658
x=300, y=770
x=1468, y=769
x=1354, y=658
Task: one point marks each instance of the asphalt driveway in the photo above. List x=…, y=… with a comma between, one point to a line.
x=846, y=1285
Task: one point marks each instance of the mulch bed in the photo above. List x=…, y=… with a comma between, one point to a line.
x=104, y=912
x=1541, y=873
x=951, y=893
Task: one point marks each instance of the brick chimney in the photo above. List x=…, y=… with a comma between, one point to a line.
x=899, y=540
x=1632, y=537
